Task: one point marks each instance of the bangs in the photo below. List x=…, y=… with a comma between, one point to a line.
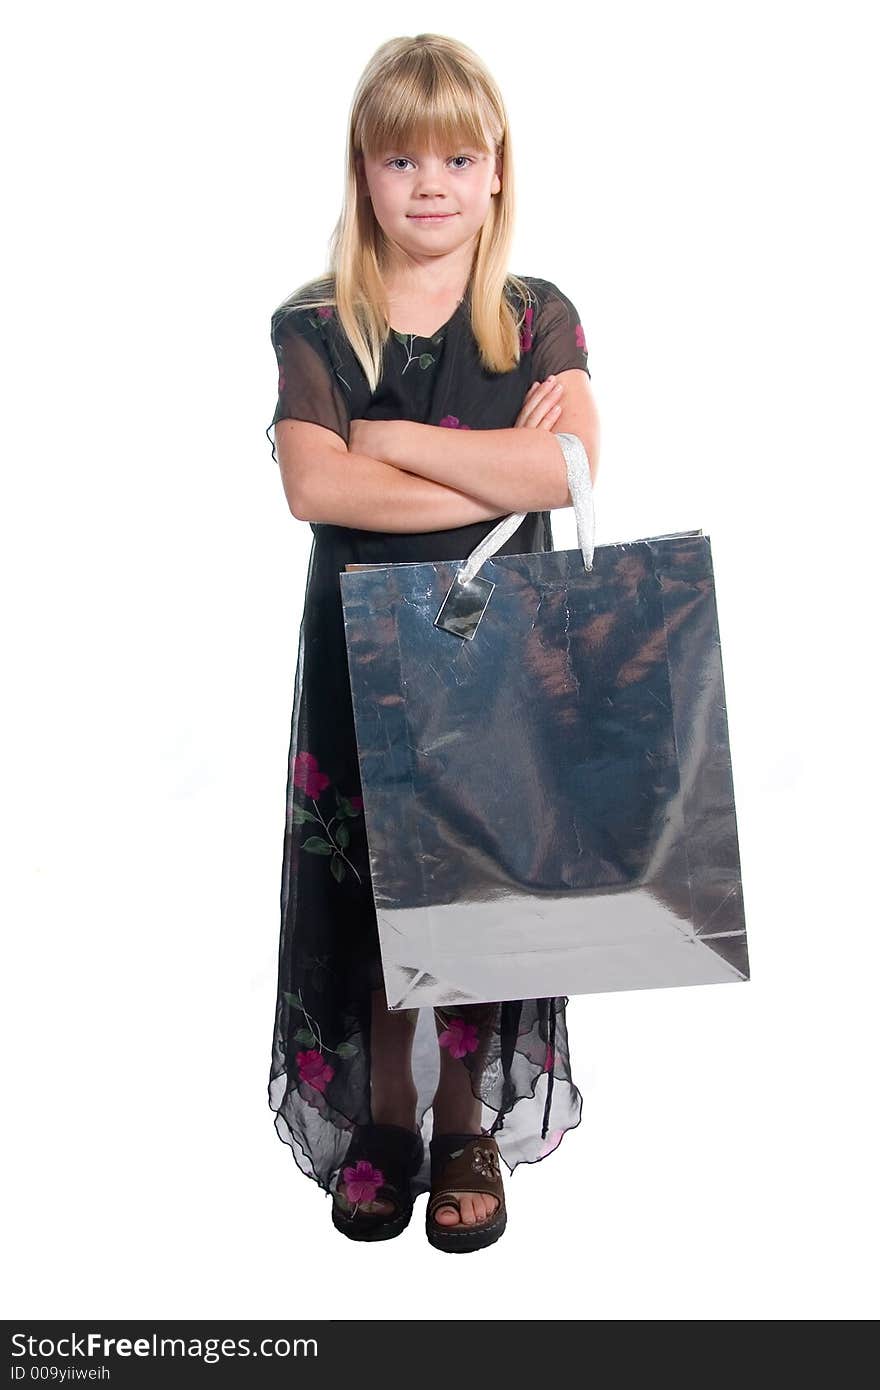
x=424, y=105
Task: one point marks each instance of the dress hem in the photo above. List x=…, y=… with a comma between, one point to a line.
x=294, y=1143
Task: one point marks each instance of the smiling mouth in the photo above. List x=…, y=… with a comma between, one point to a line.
x=429, y=216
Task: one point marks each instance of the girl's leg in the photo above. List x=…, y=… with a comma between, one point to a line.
x=456, y=1109
x=393, y=1095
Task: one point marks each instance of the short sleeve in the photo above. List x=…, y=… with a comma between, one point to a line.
x=558, y=342
x=309, y=387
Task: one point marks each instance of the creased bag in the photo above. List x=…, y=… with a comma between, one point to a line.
x=545, y=767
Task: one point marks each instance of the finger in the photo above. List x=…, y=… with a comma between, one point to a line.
x=536, y=404
x=538, y=411
x=552, y=416
x=546, y=391
x=549, y=418
x=538, y=399
x=541, y=386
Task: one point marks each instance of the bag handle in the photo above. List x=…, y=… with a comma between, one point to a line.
x=469, y=593
x=580, y=485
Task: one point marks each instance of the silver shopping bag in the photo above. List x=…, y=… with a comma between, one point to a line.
x=545, y=767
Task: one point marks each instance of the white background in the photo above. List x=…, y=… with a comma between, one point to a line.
x=700, y=180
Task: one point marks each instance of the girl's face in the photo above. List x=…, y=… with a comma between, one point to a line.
x=405, y=183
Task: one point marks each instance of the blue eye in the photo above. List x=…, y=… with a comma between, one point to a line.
x=406, y=160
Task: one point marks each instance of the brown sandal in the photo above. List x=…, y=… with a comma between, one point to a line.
x=464, y=1163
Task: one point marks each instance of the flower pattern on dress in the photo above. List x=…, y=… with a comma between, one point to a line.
x=318, y=317
x=313, y=1070
x=459, y=1037
x=424, y=359
x=362, y=1181
x=308, y=778
x=561, y=349
x=525, y=333
x=452, y=422
x=581, y=342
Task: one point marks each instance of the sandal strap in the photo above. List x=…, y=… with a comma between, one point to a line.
x=464, y=1163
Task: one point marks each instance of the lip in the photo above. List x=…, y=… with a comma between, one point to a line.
x=430, y=216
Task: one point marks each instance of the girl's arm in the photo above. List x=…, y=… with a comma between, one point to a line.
x=324, y=482
x=511, y=470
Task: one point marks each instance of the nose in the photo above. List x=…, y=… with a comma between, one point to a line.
x=430, y=181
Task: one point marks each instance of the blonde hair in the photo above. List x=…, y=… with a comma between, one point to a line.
x=424, y=91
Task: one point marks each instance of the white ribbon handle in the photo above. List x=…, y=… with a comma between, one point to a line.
x=580, y=485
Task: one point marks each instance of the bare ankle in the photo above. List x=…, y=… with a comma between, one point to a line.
x=398, y=1108
x=449, y=1120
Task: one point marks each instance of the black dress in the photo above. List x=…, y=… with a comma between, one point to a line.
x=329, y=960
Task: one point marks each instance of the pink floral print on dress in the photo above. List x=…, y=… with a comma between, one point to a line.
x=460, y=1037
x=452, y=422
x=313, y=1070
x=308, y=777
x=362, y=1181
x=525, y=333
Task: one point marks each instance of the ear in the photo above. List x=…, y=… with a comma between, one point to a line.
x=499, y=169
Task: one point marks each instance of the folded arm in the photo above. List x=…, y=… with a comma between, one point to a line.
x=511, y=470
x=326, y=483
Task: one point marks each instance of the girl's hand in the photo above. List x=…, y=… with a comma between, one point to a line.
x=367, y=436
x=541, y=407
x=388, y=441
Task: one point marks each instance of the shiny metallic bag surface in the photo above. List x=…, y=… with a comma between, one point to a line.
x=545, y=767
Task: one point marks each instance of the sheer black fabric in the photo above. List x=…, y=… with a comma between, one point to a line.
x=329, y=963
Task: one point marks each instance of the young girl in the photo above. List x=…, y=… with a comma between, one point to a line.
x=419, y=387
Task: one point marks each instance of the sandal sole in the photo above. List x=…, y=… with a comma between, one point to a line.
x=360, y=1228
x=456, y=1240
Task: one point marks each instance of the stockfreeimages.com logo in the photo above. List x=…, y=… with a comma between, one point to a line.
x=95, y=1346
